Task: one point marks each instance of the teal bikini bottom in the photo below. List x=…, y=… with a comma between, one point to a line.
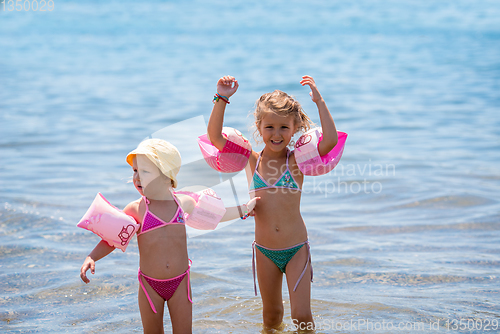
x=280, y=258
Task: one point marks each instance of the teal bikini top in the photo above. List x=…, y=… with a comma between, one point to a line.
x=285, y=181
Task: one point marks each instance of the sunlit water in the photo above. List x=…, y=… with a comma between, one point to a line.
x=404, y=232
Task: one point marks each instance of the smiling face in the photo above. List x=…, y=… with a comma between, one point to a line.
x=277, y=131
x=148, y=180
x=281, y=110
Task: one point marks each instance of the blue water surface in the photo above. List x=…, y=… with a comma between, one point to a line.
x=404, y=231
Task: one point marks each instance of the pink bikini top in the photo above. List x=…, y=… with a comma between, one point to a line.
x=151, y=222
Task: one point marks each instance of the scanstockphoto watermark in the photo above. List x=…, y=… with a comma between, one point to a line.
x=361, y=325
x=364, y=325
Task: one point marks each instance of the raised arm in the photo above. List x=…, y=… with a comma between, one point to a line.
x=330, y=137
x=226, y=87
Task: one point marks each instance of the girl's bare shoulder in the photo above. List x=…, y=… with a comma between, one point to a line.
x=133, y=209
x=291, y=158
x=252, y=160
x=186, y=202
x=292, y=164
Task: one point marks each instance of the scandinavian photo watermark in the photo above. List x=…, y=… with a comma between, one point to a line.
x=338, y=186
x=277, y=175
x=366, y=176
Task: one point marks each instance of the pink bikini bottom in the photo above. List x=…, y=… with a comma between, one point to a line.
x=164, y=287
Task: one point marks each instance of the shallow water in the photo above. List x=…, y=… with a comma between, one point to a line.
x=405, y=231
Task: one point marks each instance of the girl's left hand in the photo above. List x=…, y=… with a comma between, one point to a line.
x=315, y=95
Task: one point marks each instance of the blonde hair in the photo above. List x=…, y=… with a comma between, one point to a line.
x=283, y=105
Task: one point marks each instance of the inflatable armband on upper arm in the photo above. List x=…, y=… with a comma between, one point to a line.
x=233, y=157
x=109, y=222
x=208, y=211
x=307, y=153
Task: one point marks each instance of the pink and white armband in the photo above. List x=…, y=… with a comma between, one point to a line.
x=109, y=222
x=233, y=157
x=307, y=153
x=208, y=211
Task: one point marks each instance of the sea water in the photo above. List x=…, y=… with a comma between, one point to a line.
x=404, y=232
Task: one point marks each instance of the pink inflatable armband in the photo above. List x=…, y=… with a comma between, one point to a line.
x=307, y=153
x=109, y=222
x=208, y=211
x=233, y=157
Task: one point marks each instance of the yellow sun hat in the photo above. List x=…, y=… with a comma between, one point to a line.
x=163, y=154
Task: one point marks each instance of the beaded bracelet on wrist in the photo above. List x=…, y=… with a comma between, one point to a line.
x=218, y=97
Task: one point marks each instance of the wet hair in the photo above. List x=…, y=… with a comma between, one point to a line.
x=283, y=105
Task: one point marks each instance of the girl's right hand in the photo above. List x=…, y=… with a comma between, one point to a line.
x=251, y=205
x=227, y=86
x=89, y=263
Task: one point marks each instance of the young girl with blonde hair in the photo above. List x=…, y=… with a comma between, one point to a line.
x=162, y=215
x=281, y=243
